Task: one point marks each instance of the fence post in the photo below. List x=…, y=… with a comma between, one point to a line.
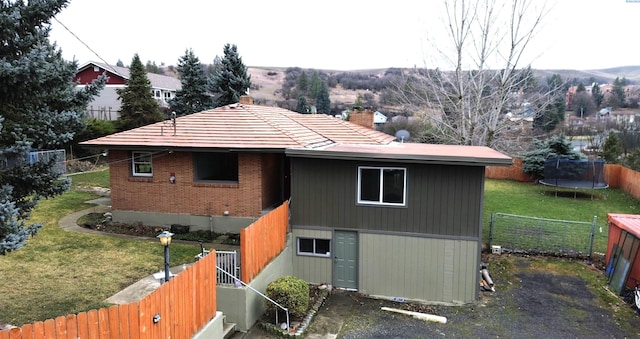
x=491, y=223
x=593, y=233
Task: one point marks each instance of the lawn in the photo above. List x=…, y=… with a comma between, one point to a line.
x=61, y=272
x=529, y=199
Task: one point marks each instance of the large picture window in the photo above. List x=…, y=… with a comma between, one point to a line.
x=141, y=164
x=382, y=185
x=314, y=247
x=216, y=166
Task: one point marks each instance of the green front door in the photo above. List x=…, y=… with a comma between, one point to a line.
x=345, y=260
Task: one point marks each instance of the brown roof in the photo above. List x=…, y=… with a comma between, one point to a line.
x=409, y=152
x=243, y=127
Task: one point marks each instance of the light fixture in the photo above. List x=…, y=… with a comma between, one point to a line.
x=165, y=240
x=172, y=178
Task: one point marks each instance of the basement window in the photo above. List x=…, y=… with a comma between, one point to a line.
x=314, y=247
x=141, y=164
x=216, y=167
x=382, y=186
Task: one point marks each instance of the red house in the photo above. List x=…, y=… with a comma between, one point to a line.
x=106, y=105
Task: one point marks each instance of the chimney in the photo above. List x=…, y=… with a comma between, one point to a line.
x=362, y=118
x=246, y=100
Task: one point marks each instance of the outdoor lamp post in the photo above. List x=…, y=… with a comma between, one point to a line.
x=165, y=240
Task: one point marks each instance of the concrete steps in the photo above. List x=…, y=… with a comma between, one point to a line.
x=228, y=329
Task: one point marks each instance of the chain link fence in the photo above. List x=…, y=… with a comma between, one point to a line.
x=523, y=234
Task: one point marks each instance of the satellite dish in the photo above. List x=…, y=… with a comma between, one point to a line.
x=402, y=135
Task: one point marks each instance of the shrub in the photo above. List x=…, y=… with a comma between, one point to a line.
x=289, y=292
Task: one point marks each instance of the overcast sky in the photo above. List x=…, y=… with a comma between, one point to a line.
x=330, y=34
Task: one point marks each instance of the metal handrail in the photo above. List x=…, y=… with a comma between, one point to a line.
x=260, y=294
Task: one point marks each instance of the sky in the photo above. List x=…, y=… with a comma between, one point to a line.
x=330, y=34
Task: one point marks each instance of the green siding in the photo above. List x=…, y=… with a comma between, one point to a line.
x=419, y=268
x=441, y=199
x=315, y=270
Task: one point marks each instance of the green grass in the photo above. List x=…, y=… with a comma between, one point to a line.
x=61, y=272
x=99, y=178
x=529, y=199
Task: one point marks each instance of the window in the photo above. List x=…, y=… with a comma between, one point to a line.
x=314, y=247
x=216, y=166
x=382, y=186
x=141, y=165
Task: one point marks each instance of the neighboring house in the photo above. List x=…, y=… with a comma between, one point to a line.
x=368, y=213
x=106, y=105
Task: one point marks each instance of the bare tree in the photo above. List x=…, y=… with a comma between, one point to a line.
x=482, y=79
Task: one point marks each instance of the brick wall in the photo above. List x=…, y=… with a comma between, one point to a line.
x=157, y=194
x=362, y=118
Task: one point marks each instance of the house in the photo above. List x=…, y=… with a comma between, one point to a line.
x=368, y=213
x=106, y=105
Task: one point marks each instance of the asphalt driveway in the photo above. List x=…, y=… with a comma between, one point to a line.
x=531, y=304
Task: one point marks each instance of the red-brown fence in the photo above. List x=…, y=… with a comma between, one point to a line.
x=184, y=305
x=262, y=241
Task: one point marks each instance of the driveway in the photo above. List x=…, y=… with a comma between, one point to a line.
x=528, y=303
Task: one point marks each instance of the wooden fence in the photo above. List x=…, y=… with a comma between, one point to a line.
x=183, y=306
x=616, y=176
x=262, y=241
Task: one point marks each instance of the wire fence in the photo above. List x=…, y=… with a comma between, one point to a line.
x=523, y=234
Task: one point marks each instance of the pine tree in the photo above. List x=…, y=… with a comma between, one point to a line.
x=323, y=103
x=230, y=79
x=138, y=108
x=193, y=97
x=303, y=82
x=612, y=148
x=314, y=86
x=302, y=106
x=617, y=99
x=597, y=95
x=41, y=110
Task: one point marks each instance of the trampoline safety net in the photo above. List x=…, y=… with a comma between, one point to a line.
x=562, y=172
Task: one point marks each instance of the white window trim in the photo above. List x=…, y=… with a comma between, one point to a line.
x=314, y=254
x=380, y=201
x=135, y=156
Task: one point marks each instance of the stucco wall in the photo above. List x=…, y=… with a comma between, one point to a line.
x=242, y=305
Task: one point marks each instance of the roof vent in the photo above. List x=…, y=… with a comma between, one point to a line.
x=234, y=105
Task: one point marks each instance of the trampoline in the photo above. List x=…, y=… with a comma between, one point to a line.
x=575, y=174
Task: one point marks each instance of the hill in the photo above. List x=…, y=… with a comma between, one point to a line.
x=268, y=82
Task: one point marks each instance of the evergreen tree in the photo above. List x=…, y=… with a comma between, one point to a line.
x=581, y=88
x=556, y=146
x=314, y=86
x=119, y=63
x=303, y=82
x=41, y=109
x=230, y=79
x=617, y=99
x=554, y=112
x=323, y=103
x=151, y=67
x=138, y=108
x=302, y=106
x=193, y=97
x=597, y=95
x=612, y=148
